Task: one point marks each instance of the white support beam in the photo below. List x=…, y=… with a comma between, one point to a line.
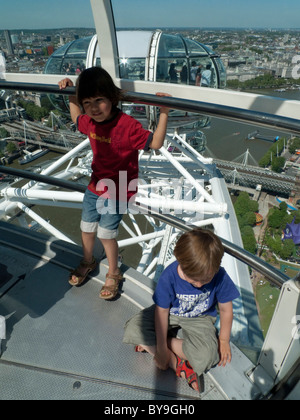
x=51, y=229
x=75, y=197
x=106, y=33
x=166, y=205
x=186, y=174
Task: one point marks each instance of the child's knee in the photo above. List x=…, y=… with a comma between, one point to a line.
x=203, y=356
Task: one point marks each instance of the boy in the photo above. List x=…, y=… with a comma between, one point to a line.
x=186, y=297
x=115, y=139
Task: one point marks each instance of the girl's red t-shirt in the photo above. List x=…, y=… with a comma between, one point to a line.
x=115, y=144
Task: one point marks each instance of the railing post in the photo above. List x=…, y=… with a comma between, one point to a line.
x=281, y=348
x=2, y=331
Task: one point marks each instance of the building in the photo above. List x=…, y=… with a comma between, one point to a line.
x=10, y=48
x=2, y=65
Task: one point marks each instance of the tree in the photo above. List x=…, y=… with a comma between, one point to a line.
x=261, y=82
x=296, y=215
x=277, y=218
x=3, y=133
x=249, y=219
x=11, y=147
x=248, y=239
x=265, y=160
x=245, y=209
x=273, y=244
x=244, y=204
x=272, y=155
x=284, y=249
x=33, y=111
x=294, y=145
x=287, y=249
x=283, y=206
x=278, y=164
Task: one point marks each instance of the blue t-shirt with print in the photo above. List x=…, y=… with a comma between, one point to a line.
x=188, y=301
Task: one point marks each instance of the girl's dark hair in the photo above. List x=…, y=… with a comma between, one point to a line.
x=95, y=81
x=199, y=253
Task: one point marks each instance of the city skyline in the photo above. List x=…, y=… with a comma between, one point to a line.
x=34, y=14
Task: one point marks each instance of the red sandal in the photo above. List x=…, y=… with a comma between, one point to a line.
x=190, y=375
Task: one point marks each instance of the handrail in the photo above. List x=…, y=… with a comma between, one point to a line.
x=275, y=276
x=45, y=179
x=214, y=110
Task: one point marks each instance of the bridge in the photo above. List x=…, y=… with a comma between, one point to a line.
x=252, y=176
x=36, y=133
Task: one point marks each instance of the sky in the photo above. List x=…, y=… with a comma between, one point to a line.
x=46, y=14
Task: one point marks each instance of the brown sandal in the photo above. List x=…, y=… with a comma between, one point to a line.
x=79, y=277
x=113, y=289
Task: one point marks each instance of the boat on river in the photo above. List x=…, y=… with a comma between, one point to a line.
x=31, y=156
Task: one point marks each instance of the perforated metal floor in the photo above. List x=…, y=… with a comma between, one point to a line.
x=66, y=343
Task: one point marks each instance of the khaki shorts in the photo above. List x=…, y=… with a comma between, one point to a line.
x=200, y=343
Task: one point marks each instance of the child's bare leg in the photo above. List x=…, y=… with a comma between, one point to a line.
x=175, y=345
x=152, y=350
x=112, y=254
x=88, y=242
x=149, y=349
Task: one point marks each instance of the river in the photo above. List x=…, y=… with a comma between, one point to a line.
x=227, y=139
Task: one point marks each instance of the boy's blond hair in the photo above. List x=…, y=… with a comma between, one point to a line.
x=199, y=253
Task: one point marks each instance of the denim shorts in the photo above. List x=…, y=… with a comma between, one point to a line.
x=101, y=215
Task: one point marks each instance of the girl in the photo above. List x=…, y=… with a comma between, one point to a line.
x=115, y=139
